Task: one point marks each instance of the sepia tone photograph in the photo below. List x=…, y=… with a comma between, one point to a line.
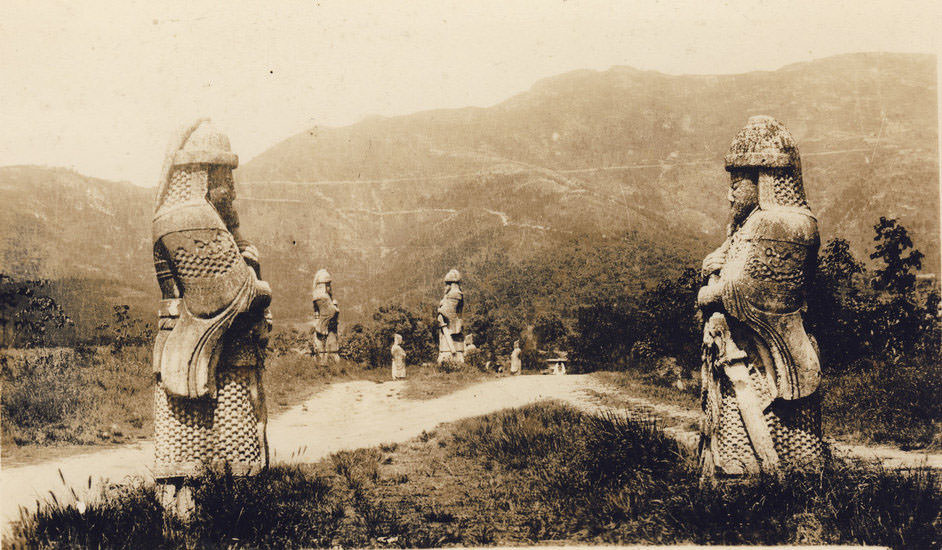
x=571, y=273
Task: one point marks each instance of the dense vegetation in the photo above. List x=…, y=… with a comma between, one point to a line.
x=597, y=298
x=521, y=476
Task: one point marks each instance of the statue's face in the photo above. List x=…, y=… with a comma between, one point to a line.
x=221, y=190
x=743, y=194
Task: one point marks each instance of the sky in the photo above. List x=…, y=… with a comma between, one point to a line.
x=100, y=86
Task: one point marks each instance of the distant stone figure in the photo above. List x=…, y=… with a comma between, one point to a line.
x=209, y=352
x=515, y=363
x=450, y=336
x=398, y=358
x=761, y=370
x=326, y=345
x=469, y=346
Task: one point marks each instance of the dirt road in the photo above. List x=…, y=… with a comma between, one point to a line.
x=349, y=415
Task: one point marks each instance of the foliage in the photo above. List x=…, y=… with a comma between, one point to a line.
x=368, y=343
x=124, y=330
x=518, y=477
x=55, y=396
x=27, y=312
x=893, y=241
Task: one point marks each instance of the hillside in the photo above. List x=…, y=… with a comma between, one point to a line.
x=605, y=152
x=390, y=204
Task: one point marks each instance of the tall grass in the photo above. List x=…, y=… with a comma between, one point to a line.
x=542, y=472
x=91, y=395
x=54, y=396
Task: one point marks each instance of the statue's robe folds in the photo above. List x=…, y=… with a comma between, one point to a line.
x=450, y=323
x=760, y=295
x=326, y=316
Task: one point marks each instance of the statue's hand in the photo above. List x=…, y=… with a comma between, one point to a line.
x=709, y=295
x=713, y=262
x=262, y=296
x=250, y=255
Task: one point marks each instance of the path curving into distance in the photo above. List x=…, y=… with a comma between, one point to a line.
x=352, y=415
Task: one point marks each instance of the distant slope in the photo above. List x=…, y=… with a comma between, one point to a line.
x=390, y=204
x=603, y=152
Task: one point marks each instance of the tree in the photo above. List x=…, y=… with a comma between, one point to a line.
x=27, y=312
x=893, y=242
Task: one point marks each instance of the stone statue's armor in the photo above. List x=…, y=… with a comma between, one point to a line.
x=326, y=345
x=761, y=369
x=214, y=322
x=450, y=335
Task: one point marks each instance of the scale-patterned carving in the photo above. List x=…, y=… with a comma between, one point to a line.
x=186, y=184
x=781, y=263
x=788, y=189
x=183, y=430
x=235, y=420
x=207, y=259
x=795, y=427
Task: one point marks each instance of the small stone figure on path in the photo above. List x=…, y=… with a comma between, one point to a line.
x=209, y=352
x=761, y=370
x=398, y=358
x=326, y=345
x=450, y=337
x=515, y=364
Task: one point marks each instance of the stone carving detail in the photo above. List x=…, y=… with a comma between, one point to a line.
x=214, y=322
x=326, y=344
x=761, y=370
x=398, y=358
x=450, y=329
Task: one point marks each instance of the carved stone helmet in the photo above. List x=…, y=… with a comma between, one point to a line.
x=764, y=144
x=206, y=145
x=454, y=276
x=185, y=174
x=516, y=343
x=322, y=276
x=397, y=339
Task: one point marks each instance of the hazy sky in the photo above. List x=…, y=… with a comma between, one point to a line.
x=99, y=86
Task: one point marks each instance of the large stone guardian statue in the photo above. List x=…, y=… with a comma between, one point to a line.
x=214, y=321
x=326, y=317
x=761, y=370
x=450, y=329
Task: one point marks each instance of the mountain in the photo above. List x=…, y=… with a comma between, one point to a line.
x=594, y=152
x=388, y=205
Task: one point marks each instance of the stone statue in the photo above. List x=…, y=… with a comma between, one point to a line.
x=326, y=346
x=469, y=346
x=398, y=358
x=214, y=322
x=515, y=364
x=761, y=370
x=450, y=337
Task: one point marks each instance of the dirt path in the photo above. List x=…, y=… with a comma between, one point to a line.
x=358, y=414
x=348, y=415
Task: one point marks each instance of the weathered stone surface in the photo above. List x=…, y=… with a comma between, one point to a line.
x=450, y=328
x=761, y=370
x=325, y=344
x=515, y=363
x=398, y=358
x=209, y=352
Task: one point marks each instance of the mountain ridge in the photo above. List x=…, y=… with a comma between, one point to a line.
x=388, y=202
